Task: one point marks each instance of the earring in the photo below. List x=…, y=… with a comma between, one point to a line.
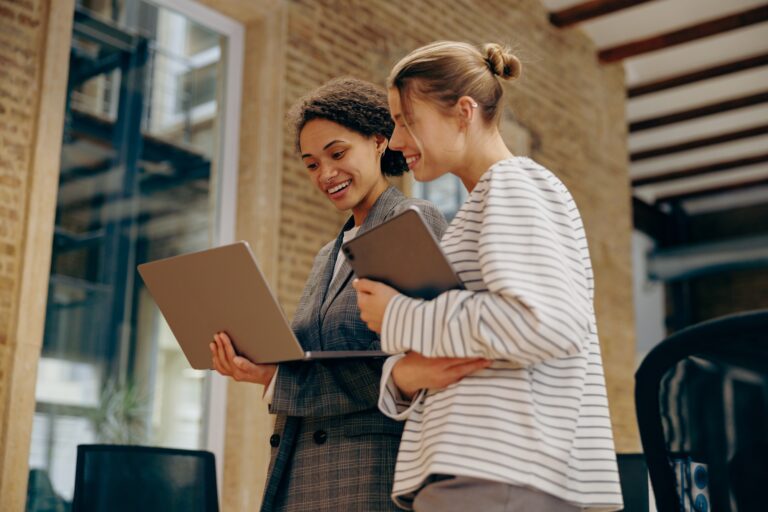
x=474, y=105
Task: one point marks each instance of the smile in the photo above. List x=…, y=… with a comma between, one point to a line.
x=339, y=187
x=411, y=160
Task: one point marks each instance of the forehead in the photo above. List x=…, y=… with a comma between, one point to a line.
x=409, y=104
x=393, y=98
x=317, y=133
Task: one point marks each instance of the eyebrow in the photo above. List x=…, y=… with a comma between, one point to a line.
x=305, y=155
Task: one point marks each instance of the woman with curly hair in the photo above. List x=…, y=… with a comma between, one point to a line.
x=332, y=449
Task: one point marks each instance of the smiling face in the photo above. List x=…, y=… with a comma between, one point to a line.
x=344, y=165
x=429, y=139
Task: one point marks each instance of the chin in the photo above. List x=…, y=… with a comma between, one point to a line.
x=424, y=175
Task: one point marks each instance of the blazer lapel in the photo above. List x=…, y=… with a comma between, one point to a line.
x=380, y=210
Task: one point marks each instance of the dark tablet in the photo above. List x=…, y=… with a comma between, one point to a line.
x=403, y=253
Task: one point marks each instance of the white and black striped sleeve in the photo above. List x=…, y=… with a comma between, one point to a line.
x=535, y=304
x=392, y=403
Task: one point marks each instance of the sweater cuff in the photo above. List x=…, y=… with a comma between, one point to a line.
x=392, y=403
x=269, y=391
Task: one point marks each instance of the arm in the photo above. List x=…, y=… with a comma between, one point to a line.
x=406, y=377
x=537, y=304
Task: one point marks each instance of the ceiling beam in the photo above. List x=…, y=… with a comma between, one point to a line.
x=677, y=263
x=696, y=76
x=711, y=191
x=699, y=143
x=703, y=169
x=684, y=35
x=589, y=10
x=705, y=110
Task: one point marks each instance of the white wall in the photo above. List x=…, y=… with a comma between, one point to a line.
x=649, y=298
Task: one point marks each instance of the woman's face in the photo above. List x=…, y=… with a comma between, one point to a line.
x=438, y=149
x=343, y=164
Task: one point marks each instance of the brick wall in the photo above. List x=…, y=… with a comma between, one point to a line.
x=571, y=107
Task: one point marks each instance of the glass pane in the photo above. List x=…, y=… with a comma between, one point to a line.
x=139, y=146
x=447, y=193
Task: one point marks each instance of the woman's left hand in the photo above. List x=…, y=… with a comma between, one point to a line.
x=372, y=299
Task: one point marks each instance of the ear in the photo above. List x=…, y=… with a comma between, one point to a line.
x=381, y=142
x=466, y=108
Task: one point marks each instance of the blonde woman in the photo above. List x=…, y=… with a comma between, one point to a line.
x=532, y=430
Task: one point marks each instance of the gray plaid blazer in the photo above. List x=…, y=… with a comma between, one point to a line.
x=332, y=450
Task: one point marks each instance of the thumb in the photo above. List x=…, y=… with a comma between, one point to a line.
x=364, y=285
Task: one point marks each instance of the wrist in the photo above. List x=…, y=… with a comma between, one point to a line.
x=405, y=390
x=269, y=374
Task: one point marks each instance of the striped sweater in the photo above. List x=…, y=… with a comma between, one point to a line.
x=538, y=416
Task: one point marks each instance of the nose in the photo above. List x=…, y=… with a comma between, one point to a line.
x=397, y=141
x=327, y=173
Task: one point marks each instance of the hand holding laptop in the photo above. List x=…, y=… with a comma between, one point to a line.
x=229, y=364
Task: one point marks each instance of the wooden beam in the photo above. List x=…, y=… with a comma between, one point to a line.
x=699, y=75
x=589, y=10
x=703, y=169
x=684, y=35
x=699, y=143
x=706, y=110
x=711, y=191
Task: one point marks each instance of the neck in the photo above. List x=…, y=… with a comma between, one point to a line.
x=486, y=151
x=361, y=210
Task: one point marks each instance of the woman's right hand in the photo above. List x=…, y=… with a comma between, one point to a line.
x=229, y=364
x=414, y=371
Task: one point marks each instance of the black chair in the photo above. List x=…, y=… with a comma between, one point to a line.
x=702, y=407
x=117, y=478
x=41, y=496
x=633, y=474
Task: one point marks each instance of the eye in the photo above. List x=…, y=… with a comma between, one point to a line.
x=312, y=166
x=337, y=155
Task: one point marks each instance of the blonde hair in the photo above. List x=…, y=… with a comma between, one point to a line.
x=444, y=71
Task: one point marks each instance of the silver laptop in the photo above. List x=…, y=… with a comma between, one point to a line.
x=223, y=289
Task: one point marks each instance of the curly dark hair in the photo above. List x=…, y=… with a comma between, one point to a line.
x=357, y=105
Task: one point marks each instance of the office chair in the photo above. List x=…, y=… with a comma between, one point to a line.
x=702, y=407
x=633, y=475
x=118, y=478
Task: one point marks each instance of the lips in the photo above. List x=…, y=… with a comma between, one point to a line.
x=338, y=187
x=412, y=160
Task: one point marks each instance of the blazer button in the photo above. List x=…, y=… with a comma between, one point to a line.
x=274, y=441
x=320, y=436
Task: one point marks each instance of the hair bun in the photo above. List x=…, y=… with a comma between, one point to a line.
x=501, y=61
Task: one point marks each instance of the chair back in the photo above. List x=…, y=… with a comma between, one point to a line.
x=702, y=408
x=633, y=474
x=117, y=478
